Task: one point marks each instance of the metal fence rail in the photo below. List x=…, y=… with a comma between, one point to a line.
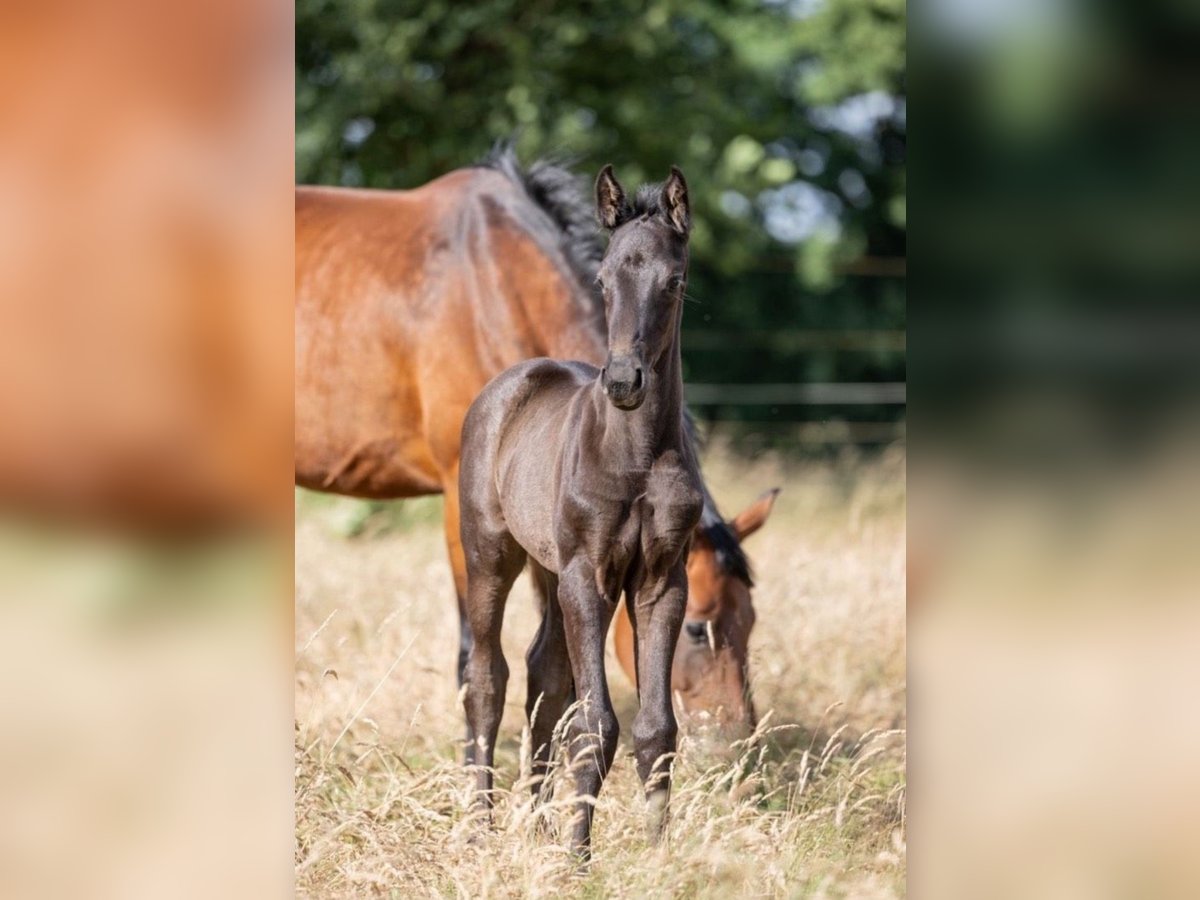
x=870, y=393
x=797, y=340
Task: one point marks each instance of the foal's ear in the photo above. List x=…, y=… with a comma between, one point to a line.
x=611, y=206
x=674, y=201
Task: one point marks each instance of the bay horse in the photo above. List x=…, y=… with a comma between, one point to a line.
x=589, y=474
x=409, y=302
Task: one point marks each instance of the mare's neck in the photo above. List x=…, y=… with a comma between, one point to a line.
x=580, y=334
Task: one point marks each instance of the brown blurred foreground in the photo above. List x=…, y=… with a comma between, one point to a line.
x=145, y=393
x=145, y=262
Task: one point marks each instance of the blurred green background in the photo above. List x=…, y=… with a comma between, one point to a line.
x=788, y=118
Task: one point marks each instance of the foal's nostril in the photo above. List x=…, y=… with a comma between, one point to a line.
x=697, y=631
x=637, y=379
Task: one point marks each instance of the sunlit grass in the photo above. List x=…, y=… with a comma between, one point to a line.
x=812, y=806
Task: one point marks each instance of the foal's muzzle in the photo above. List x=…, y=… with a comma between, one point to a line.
x=624, y=381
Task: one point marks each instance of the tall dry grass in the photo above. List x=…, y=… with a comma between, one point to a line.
x=812, y=805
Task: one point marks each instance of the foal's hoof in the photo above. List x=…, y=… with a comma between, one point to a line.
x=581, y=858
x=478, y=823
x=656, y=817
x=543, y=828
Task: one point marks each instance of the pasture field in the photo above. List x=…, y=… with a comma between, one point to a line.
x=812, y=806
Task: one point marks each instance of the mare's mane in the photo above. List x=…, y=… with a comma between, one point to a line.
x=560, y=194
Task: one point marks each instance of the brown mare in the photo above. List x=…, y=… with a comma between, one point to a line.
x=408, y=302
x=589, y=475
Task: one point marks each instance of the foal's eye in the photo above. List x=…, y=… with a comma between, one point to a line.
x=675, y=283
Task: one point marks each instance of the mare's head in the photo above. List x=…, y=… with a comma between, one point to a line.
x=643, y=277
x=710, y=674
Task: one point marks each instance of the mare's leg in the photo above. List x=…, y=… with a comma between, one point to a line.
x=657, y=613
x=549, y=674
x=494, y=561
x=458, y=568
x=464, y=653
x=592, y=732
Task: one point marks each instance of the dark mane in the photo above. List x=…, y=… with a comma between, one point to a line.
x=560, y=194
x=645, y=202
x=726, y=546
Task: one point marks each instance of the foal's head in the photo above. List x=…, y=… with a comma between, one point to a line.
x=642, y=276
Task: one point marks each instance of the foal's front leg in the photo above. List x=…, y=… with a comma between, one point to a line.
x=658, y=611
x=592, y=731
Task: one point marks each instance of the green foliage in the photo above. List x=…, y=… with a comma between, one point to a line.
x=787, y=117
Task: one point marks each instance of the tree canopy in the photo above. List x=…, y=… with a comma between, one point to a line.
x=787, y=116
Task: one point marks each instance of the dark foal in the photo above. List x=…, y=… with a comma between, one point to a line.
x=589, y=475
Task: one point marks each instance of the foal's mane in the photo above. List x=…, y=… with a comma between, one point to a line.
x=645, y=202
x=562, y=196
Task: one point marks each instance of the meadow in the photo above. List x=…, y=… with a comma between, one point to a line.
x=813, y=805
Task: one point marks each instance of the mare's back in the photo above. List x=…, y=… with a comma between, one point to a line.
x=374, y=272
x=354, y=244
x=407, y=303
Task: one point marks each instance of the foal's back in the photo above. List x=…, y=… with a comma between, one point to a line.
x=514, y=439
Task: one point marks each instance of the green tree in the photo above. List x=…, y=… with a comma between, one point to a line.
x=788, y=118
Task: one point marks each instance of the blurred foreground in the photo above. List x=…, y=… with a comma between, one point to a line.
x=1053, y=524
x=144, y=708
x=145, y=397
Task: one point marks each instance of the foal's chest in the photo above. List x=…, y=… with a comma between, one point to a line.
x=648, y=533
x=671, y=510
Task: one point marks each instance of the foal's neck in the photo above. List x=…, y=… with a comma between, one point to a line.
x=639, y=436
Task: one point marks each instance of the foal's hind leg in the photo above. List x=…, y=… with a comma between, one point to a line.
x=492, y=567
x=549, y=675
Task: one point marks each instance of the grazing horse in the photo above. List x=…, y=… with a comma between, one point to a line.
x=408, y=302
x=590, y=475
x=710, y=673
